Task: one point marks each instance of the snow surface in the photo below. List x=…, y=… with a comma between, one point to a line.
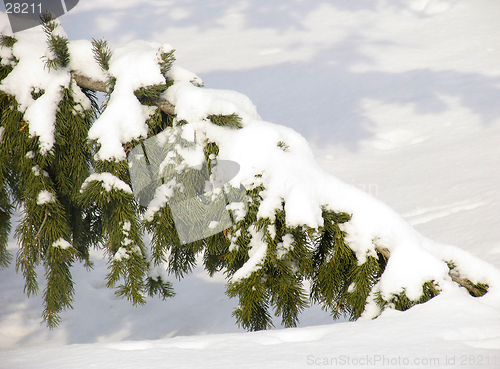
x=398, y=98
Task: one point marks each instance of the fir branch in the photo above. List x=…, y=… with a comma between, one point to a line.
x=59, y=291
x=6, y=207
x=7, y=41
x=156, y=286
x=166, y=61
x=252, y=312
x=283, y=146
x=39, y=235
x=94, y=102
x=103, y=86
x=5, y=256
x=334, y=267
x=36, y=93
x=58, y=45
x=158, y=122
x=362, y=280
x=232, y=120
x=102, y=53
x=401, y=301
x=150, y=94
x=5, y=213
x=90, y=84
x=476, y=290
x=47, y=22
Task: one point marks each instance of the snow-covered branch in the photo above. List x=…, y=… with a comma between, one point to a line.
x=473, y=289
x=291, y=223
x=101, y=86
x=89, y=83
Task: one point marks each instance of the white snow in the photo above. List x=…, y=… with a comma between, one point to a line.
x=257, y=254
x=213, y=224
x=285, y=246
x=45, y=197
x=37, y=170
x=194, y=104
x=162, y=194
x=29, y=74
x=398, y=98
x=62, y=243
x=82, y=60
x=109, y=182
x=121, y=254
x=238, y=210
x=179, y=74
x=126, y=226
x=125, y=117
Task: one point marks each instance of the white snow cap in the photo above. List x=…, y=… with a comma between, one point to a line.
x=179, y=74
x=109, y=182
x=134, y=65
x=62, y=243
x=257, y=254
x=194, y=104
x=45, y=197
x=82, y=60
x=31, y=74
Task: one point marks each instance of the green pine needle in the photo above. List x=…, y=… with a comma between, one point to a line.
x=102, y=53
x=166, y=62
x=156, y=286
x=146, y=94
x=232, y=120
x=57, y=45
x=7, y=41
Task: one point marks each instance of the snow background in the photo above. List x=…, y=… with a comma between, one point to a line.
x=399, y=98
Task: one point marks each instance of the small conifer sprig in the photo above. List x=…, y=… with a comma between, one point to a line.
x=166, y=60
x=102, y=53
x=232, y=120
x=58, y=43
x=401, y=302
x=7, y=41
x=147, y=95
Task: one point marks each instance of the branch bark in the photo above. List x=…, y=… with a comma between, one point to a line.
x=91, y=84
x=101, y=86
x=473, y=290
x=471, y=287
